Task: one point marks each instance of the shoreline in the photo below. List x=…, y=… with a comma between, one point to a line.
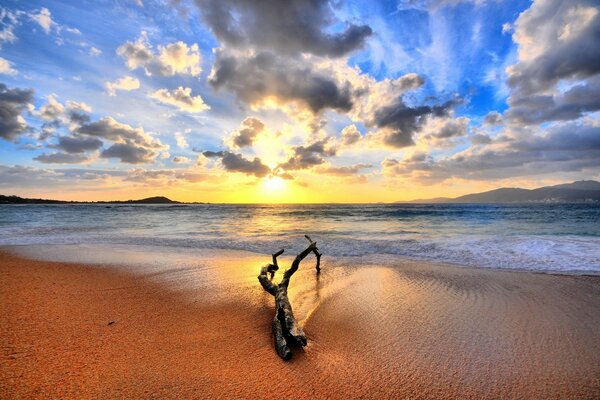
x=413, y=330
x=388, y=259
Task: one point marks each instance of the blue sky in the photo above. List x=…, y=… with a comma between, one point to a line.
x=455, y=56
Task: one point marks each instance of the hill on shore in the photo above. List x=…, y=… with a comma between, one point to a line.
x=148, y=200
x=575, y=192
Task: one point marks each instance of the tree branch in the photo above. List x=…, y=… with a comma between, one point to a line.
x=285, y=328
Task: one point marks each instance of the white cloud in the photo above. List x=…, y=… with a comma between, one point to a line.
x=9, y=21
x=126, y=83
x=174, y=58
x=6, y=67
x=43, y=19
x=95, y=51
x=181, y=141
x=181, y=98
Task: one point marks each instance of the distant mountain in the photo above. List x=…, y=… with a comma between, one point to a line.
x=21, y=200
x=576, y=192
x=149, y=200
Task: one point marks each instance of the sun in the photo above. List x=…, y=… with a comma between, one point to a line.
x=274, y=184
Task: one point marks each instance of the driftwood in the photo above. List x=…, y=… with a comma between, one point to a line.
x=286, y=330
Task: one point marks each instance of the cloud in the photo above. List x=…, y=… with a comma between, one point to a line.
x=181, y=160
x=109, y=128
x=55, y=114
x=44, y=19
x=130, y=153
x=558, y=41
x=342, y=171
x=76, y=144
x=308, y=156
x=52, y=110
x=237, y=163
x=131, y=145
x=181, y=98
x=164, y=176
x=446, y=128
x=480, y=138
x=350, y=135
x=61, y=158
x=249, y=129
x=558, y=106
x=399, y=122
x=95, y=52
x=9, y=21
x=289, y=27
x=6, y=67
x=172, y=59
x=566, y=147
x=126, y=83
x=305, y=86
x=17, y=176
x=181, y=141
x=430, y=4
x=493, y=118
x=78, y=112
x=12, y=104
x=259, y=78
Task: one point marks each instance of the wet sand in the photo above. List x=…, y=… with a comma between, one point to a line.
x=396, y=329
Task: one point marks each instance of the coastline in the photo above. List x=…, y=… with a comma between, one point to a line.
x=415, y=329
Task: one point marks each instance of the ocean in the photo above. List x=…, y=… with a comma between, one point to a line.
x=562, y=238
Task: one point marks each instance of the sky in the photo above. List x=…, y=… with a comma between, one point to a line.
x=296, y=101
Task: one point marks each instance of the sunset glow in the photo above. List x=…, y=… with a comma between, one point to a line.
x=353, y=102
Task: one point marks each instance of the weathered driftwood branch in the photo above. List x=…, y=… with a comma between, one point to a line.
x=286, y=330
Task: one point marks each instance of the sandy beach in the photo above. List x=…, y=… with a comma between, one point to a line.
x=402, y=329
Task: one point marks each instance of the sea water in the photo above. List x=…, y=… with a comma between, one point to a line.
x=543, y=237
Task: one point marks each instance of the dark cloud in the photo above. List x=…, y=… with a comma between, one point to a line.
x=559, y=41
x=130, y=145
x=237, y=163
x=265, y=75
x=110, y=129
x=400, y=122
x=129, y=152
x=250, y=128
x=480, y=138
x=569, y=147
x=72, y=144
x=572, y=104
x=308, y=156
x=568, y=34
x=493, y=119
x=12, y=104
x=78, y=117
x=286, y=27
x=451, y=128
x=61, y=158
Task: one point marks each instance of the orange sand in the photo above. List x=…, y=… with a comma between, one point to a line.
x=412, y=330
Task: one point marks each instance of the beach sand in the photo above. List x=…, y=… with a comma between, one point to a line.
x=376, y=329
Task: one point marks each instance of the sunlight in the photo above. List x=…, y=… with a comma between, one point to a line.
x=274, y=184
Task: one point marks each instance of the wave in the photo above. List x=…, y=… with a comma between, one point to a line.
x=538, y=253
